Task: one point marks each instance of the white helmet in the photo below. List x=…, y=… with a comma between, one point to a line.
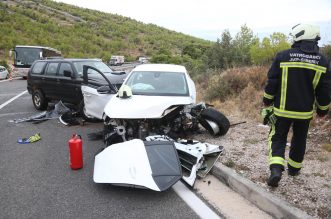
x=305, y=32
x=125, y=92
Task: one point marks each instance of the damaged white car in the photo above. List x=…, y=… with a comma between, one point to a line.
x=157, y=102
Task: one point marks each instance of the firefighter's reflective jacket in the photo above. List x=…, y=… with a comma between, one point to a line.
x=296, y=81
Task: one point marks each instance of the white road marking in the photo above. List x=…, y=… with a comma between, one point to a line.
x=12, y=99
x=9, y=79
x=193, y=201
x=8, y=94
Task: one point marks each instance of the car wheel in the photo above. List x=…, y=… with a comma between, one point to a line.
x=39, y=100
x=214, y=121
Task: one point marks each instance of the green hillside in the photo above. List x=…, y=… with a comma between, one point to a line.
x=79, y=32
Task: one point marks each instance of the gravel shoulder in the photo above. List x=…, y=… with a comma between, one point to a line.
x=247, y=153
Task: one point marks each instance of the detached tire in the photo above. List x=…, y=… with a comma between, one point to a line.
x=39, y=100
x=216, y=117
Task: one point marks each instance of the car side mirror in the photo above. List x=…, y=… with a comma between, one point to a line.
x=105, y=90
x=67, y=73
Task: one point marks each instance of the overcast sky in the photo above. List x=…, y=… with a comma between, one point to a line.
x=208, y=18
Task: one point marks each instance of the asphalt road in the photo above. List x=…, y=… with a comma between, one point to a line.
x=37, y=182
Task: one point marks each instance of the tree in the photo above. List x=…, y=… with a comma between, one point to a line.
x=326, y=50
x=192, y=50
x=263, y=52
x=222, y=54
x=214, y=54
x=227, y=50
x=242, y=44
x=279, y=42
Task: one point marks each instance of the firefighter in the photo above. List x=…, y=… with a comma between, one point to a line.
x=299, y=81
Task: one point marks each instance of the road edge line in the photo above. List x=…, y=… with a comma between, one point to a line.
x=194, y=202
x=12, y=99
x=264, y=200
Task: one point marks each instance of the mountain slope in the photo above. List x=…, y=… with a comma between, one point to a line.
x=79, y=32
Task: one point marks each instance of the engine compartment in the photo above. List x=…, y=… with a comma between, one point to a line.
x=176, y=122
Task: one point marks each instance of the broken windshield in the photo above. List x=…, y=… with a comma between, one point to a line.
x=158, y=83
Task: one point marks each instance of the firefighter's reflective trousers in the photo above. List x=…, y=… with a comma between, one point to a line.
x=278, y=138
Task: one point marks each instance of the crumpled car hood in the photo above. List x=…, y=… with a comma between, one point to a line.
x=140, y=106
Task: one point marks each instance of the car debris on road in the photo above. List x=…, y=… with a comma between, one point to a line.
x=141, y=164
x=59, y=109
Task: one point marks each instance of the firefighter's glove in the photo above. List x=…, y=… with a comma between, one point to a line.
x=268, y=115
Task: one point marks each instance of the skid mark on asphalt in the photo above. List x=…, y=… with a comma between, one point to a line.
x=194, y=202
x=12, y=99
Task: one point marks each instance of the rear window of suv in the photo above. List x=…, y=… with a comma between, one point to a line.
x=38, y=68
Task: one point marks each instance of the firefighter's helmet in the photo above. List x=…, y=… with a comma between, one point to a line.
x=125, y=92
x=306, y=32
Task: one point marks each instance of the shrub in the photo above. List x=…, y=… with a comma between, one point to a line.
x=4, y=64
x=233, y=81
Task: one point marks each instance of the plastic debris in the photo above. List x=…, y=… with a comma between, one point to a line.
x=69, y=119
x=29, y=140
x=59, y=109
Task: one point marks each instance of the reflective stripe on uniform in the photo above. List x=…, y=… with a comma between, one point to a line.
x=268, y=96
x=316, y=78
x=283, y=88
x=322, y=107
x=285, y=65
x=303, y=65
x=294, y=164
x=319, y=69
x=271, y=134
x=277, y=160
x=274, y=160
x=293, y=114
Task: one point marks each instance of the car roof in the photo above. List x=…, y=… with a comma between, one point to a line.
x=68, y=60
x=38, y=47
x=160, y=67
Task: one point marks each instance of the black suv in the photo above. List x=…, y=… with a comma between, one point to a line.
x=61, y=79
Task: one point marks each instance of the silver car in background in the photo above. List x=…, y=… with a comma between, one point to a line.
x=4, y=74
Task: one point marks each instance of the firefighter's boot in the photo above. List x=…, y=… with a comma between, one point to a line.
x=275, y=176
x=293, y=171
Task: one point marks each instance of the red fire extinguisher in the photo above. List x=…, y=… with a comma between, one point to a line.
x=76, y=152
